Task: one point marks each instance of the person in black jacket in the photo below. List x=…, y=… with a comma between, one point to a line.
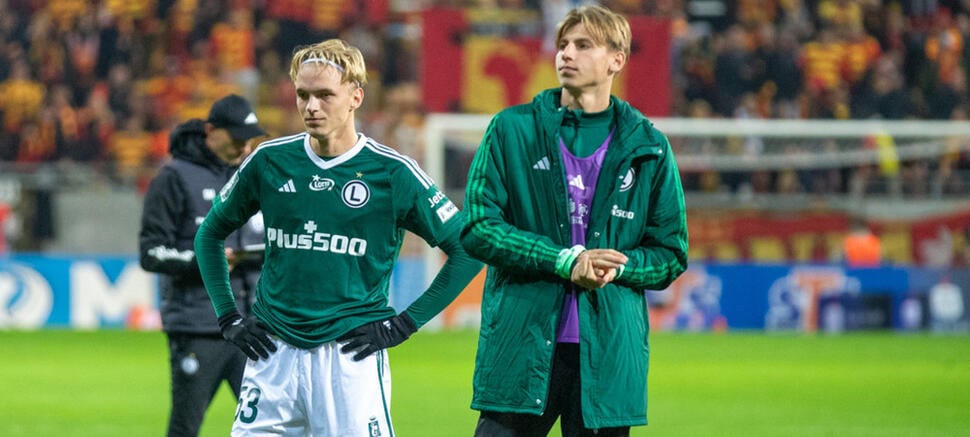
x=205, y=155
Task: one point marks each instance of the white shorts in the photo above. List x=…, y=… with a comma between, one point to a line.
x=319, y=392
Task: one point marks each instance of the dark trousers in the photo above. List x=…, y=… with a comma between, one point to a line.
x=199, y=364
x=564, y=403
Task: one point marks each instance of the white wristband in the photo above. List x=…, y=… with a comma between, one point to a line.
x=564, y=263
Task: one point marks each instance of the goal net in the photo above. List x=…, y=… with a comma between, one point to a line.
x=728, y=159
x=886, y=152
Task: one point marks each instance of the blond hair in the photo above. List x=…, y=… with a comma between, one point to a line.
x=605, y=26
x=344, y=57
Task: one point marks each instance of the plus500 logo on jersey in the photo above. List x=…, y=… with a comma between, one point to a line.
x=319, y=241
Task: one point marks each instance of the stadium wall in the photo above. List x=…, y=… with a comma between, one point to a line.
x=113, y=292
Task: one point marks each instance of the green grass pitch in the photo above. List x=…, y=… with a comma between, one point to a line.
x=115, y=383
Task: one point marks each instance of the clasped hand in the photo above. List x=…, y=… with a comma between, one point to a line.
x=595, y=268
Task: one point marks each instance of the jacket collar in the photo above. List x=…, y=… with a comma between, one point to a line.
x=633, y=130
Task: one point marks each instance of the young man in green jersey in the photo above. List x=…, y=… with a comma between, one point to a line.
x=575, y=203
x=335, y=206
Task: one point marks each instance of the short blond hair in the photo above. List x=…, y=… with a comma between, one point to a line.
x=605, y=26
x=338, y=54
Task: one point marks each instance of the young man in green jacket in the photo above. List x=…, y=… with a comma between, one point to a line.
x=574, y=202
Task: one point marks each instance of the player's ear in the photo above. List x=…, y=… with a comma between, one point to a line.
x=617, y=62
x=357, y=98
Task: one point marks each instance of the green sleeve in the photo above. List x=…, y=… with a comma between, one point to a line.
x=488, y=235
x=230, y=210
x=430, y=214
x=459, y=269
x=211, y=256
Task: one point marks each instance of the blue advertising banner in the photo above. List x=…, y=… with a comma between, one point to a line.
x=936, y=300
x=92, y=292
x=50, y=291
x=777, y=297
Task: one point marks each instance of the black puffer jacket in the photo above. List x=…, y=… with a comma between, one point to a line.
x=176, y=202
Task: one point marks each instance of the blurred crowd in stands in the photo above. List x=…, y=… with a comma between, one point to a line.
x=102, y=82
x=827, y=59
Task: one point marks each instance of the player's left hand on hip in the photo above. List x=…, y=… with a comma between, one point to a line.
x=374, y=336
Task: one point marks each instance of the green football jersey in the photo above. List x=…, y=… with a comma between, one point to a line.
x=334, y=228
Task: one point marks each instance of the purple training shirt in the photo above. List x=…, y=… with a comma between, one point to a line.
x=581, y=177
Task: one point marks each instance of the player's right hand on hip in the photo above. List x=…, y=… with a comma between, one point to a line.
x=249, y=334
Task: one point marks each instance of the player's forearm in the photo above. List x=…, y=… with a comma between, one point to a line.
x=504, y=246
x=652, y=268
x=209, y=244
x=454, y=276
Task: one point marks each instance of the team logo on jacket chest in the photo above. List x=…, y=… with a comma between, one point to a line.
x=321, y=184
x=628, y=179
x=355, y=193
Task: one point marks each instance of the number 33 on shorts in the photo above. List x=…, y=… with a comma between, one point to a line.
x=248, y=404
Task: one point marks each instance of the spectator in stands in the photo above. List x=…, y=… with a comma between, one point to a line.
x=779, y=51
x=881, y=94
x=36, y=141
x=948, y=95
x=234, y=49
x=21, y=97
x=73, y=139
x=120, y=87
x=861, y=52
x=129, y=149
x=92, y=46
x=733, y=71
x=695, y=79
x=944, y=46
x=821, y=59
x=840, y=13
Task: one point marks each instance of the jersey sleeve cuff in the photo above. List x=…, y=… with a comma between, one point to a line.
x=566, y=259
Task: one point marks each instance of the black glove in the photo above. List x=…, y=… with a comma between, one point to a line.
x=374, y=336
x=248, y=334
